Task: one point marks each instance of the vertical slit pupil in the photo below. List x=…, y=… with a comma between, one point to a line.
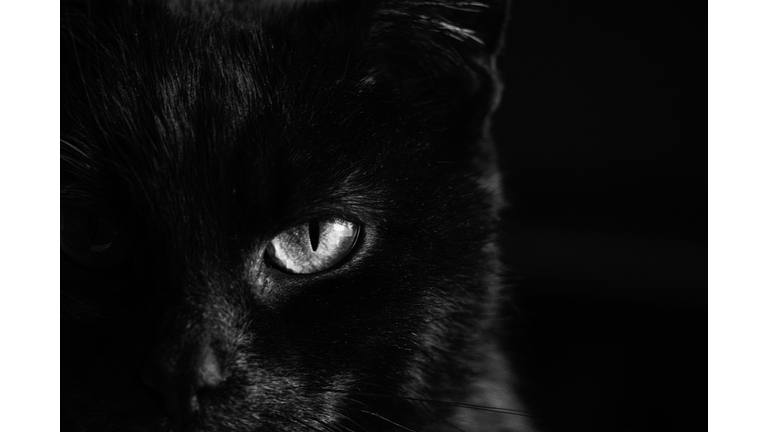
x=314, y=234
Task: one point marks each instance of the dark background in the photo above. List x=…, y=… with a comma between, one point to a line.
x=602, y=141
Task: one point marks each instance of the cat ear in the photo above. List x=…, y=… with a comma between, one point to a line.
x=441, y=52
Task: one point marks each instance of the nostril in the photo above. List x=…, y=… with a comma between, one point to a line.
x=179, y=377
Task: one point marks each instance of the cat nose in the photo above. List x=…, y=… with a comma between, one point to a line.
x=180, y=380
x=209, y=369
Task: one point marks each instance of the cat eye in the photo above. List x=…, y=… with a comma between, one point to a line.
x=314, y=246
x=92, y=239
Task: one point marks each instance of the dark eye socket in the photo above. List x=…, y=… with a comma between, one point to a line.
x=92, y=239
x=314, y=246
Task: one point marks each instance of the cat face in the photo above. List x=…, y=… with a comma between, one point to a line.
x=275, y=218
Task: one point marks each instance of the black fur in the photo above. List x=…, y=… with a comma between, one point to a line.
x=202, y=130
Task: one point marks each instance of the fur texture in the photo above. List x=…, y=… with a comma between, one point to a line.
x=198, y=131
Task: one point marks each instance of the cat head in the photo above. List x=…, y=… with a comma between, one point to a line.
x=275, y=215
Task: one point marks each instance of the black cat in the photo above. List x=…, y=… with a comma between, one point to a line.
x=281, y=216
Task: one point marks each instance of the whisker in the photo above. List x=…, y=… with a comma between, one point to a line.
x=499, y=410
x=474, y=407
x=297, y=421
x=386, y=420
x=344, y=417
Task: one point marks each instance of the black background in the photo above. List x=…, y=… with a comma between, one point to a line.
x=602, y=142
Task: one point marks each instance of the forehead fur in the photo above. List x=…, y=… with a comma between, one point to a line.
x=249, y=106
